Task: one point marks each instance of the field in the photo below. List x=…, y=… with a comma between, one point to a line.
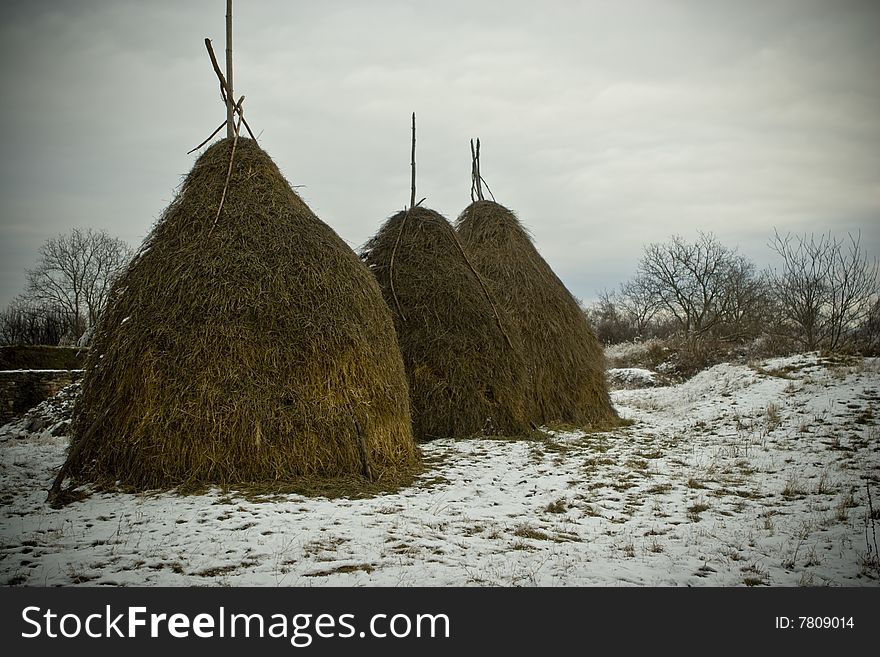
x=752, y=474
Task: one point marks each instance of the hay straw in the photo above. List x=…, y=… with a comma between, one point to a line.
x=564, y=359
x=254, y=353
x=465, y=379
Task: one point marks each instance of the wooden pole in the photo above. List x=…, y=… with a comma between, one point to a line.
x=230, y=96
x=473, y=172
x=412, y=187
x=479, y=176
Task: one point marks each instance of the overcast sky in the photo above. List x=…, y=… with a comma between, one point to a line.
x=604, y=125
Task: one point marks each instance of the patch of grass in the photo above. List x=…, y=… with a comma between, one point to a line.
x=551, y=445
x=527, y=531
x=346, y=568
x=737, y=492
x=218, y=570
x=566, y=537
x=659, y=489
x=559, y=506
x=693, y=483
x=866, y=416
x=772, y=417
x=776, y=372
x=812, y=558
x=695, y=509
x=328, y=544
x=793, y=488
x=824, y=485
x=597, y=461
x=745, y=467
x=755, y=575
x=519, y=545
x=845, y=503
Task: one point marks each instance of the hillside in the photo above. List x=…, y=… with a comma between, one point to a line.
x=743, y=475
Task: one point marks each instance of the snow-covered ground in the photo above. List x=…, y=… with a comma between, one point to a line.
x=634, y=377
x=743, y=475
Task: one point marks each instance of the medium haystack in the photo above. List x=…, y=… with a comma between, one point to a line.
x=465, y=373
x=564, y=358
x=251, y=346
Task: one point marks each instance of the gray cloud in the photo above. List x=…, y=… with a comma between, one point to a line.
x=604, y=125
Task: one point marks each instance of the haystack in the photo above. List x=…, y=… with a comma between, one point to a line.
x=565, y=361
x=251, y=346
x=464, y=367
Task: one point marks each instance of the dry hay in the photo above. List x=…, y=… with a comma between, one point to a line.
x=565, y=361
x=465, y=378
x=256, y=349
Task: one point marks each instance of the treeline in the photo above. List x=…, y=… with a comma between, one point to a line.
x=66, y=290
x=822, y=294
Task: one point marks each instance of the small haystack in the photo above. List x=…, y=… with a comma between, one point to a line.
x=565, y=361
x=251, y=346
x=465, y=373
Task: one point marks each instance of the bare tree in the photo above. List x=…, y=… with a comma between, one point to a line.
x=868, y=334
x=826, y=287
x=745, y=305
x=604, y=314
x=638, y=304
x=74, y=275
x=692, y=281
x=852, y=283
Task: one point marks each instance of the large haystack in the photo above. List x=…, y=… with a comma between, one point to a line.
x=565, y=360
x=466, y=377
x=251, y=349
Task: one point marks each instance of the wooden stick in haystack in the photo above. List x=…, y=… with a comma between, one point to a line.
x=473, y=172
x=412, y=187
x=225, y=91
x=412, y=204
x=477, y=180
x=476, y=170
x=230, y=96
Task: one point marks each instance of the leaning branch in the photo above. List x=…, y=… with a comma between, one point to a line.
x=225, y=92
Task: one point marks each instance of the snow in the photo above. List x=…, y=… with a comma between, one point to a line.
x=744, y=475
x=633, y=377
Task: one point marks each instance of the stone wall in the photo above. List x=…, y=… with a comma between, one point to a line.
x=21, y=390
